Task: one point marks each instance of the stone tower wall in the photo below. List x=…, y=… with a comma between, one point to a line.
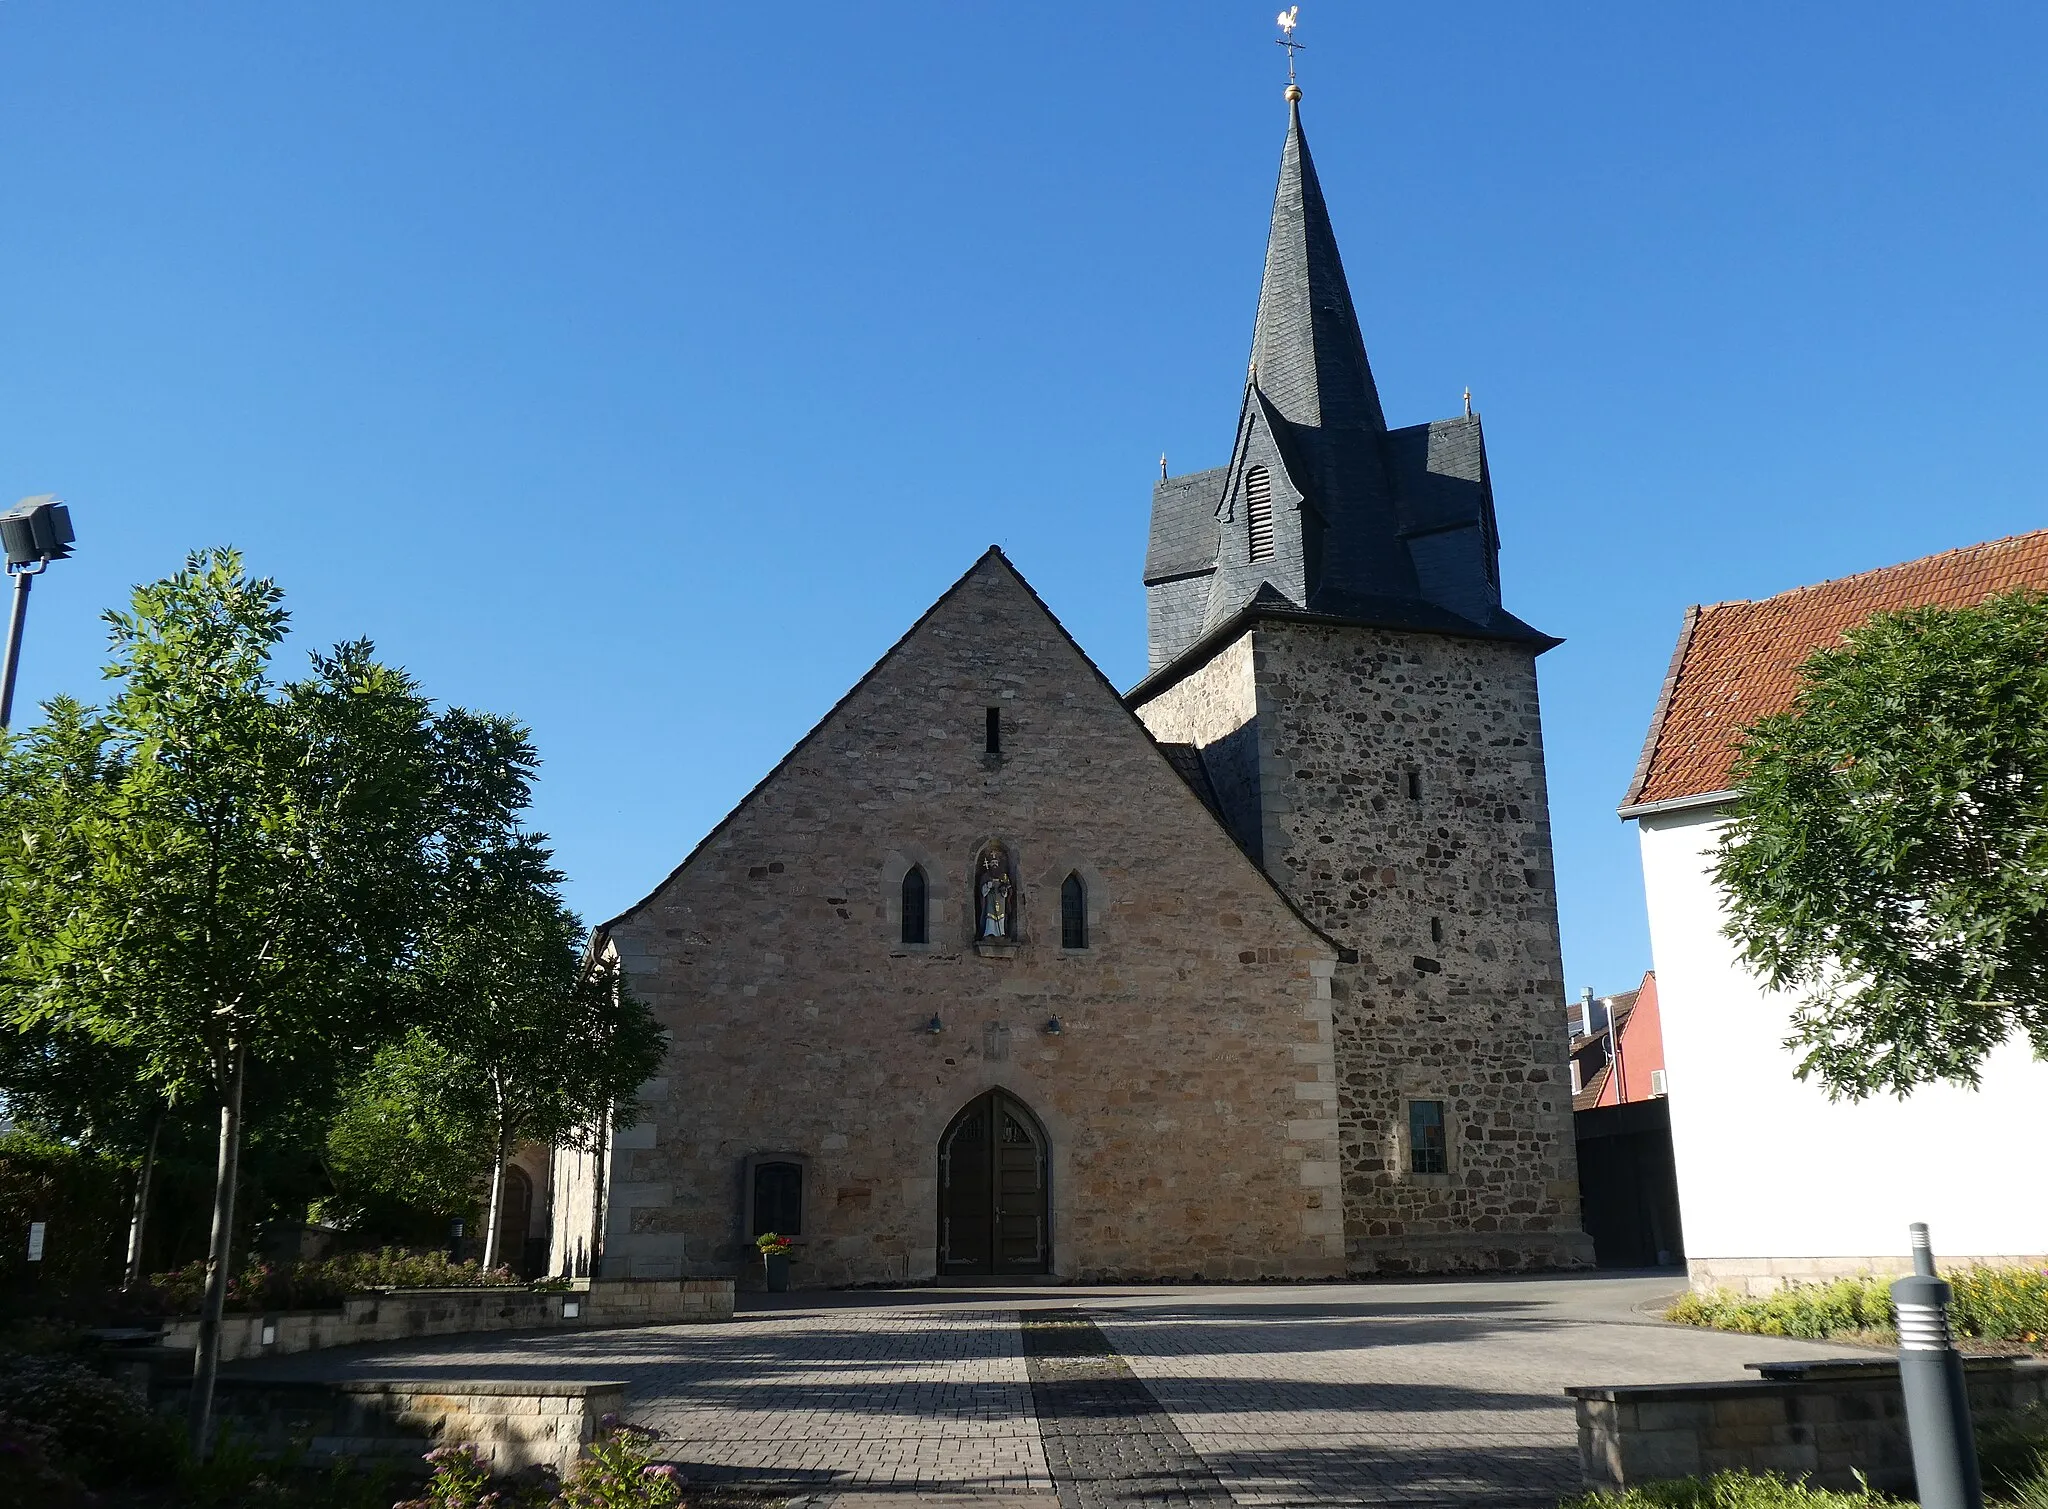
x=1470, y=1011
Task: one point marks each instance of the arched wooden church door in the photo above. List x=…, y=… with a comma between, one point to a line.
x=992, y=1190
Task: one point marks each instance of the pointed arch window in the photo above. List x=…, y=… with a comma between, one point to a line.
x=1073, y=912
x=1258, y=511
x=913, y=905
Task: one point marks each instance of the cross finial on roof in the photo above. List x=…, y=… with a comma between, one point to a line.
x=1289, y=19
x=1468, y=400
x=1162, y=466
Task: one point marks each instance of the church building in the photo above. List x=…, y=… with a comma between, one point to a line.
x=1249, y=972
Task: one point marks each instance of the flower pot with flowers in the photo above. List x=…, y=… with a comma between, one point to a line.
x=775, y=1259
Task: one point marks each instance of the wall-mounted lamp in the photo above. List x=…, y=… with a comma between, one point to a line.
x=1053, y=1027
x=934, y=1026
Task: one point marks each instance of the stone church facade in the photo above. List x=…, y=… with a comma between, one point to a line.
x=1251, y=972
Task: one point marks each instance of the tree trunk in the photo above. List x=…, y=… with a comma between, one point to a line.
x=206, y=1364
x=600, y=1192
x=497, y=1201
x=138, y=1219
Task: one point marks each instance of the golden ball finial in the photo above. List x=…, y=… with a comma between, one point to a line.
x=1293, y=93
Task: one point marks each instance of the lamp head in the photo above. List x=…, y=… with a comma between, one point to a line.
x=36, y=529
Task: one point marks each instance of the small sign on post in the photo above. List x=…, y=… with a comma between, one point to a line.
x=36, y=1230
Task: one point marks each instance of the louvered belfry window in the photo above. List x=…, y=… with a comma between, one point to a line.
x=1258, y=510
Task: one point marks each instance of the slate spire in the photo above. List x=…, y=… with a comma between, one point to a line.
x=1308, y=355
x=1322, y=510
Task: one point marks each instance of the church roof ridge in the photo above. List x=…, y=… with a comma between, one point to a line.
x=993, y=551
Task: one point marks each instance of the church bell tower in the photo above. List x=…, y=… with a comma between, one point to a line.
x=1329, y=651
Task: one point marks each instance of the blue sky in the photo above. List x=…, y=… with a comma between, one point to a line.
x=643, y=369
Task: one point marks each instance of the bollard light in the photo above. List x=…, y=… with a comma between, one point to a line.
x=1937, y=1400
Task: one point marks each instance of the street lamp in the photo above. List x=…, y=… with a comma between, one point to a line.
x=35, y=532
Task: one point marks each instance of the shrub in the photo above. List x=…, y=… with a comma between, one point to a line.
x=2013, y=1453
x=325, y=1284
x=618, y=1474
x=2000, y=1304
x=238, y=1474
x=81, y=1197
x=29, y=1479
x=1808, y=1310
x=1991, y=1304
x=91, y=1424
x=1731, y=1490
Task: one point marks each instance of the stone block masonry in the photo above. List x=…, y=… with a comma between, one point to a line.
x=1188, y=1095
x=399, y=1315
x=1401, y=804
x=1835, y=1424
x=1760, y=1276
x=512, y=1424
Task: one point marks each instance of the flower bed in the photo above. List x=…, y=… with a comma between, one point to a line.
x=323, y=1285
x=1731, y=1490
x=619, y=1473
x=1991, y=1304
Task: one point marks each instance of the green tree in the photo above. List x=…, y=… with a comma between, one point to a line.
x=412, y=1143
x=72, y=1086
x=545, y=1042
x=1887, y=855
x=221, y=870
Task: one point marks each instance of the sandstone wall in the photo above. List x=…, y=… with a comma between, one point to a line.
x=1403, y=807
x=1190, y=1094
x=400, y=1315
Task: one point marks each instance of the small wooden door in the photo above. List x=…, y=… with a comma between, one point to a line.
x=992, y=1190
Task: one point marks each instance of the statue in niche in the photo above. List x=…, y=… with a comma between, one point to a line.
x=992, y=888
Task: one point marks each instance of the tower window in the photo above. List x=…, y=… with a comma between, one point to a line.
x=1414, y=785
x=1428, y=1153
x=1258, y=510
x=913, y=906
x=994, y=744
x=1436, y=929
x=1073, y=913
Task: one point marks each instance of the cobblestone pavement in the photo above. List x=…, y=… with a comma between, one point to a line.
x=1428, y=1394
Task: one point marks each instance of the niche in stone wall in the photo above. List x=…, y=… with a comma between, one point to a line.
x=995, y=897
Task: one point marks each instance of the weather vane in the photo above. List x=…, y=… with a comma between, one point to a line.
x=1289, y=19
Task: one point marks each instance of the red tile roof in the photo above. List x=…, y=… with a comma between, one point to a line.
x=1737, y=662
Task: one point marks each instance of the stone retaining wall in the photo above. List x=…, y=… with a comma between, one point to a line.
x=513, y=1425
x=1757, y=1276
x=1830, y=1421
x=399, y=1315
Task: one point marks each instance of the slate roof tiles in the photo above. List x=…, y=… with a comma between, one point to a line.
x=1739, y=661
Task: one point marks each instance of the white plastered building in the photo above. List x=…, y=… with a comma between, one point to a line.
x=1776, y=1181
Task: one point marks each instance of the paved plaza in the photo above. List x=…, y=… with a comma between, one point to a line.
x=1414, y=1393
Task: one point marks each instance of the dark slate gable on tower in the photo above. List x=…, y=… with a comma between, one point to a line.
x=1369, y=525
